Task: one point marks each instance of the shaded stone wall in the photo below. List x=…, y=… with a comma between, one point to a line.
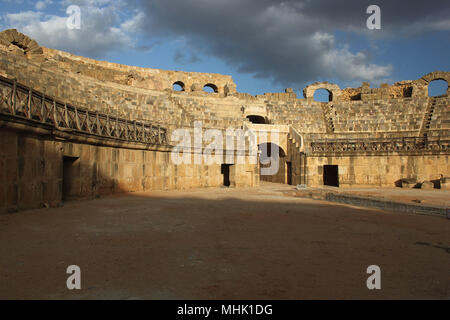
x=381, y=171
x=32, y=170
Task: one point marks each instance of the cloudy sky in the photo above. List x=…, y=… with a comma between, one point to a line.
x=266, y=45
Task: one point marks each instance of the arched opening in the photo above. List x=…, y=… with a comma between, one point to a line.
x=437, y=88
x=323, y=95
x=210, y=88
x=178, y=86
x=256, y=119
x=272, y=163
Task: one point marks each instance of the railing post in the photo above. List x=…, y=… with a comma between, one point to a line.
x=108, y=127
x=30, y=94
x=66, y=116
x=77, y=119
x=55, y=117
x=43, y=115
x=97, y=119
x=159, y=134
x=88, y=124
x=13, y=97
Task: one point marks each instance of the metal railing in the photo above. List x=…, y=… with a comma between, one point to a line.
x=382, y=144
x=19, y=101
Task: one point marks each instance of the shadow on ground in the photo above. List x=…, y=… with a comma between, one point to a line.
x=221, y=244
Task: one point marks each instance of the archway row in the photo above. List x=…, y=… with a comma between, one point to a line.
x=209, y=87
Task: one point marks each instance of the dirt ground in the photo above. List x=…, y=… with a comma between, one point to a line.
x=222, y=243
x=434, y=197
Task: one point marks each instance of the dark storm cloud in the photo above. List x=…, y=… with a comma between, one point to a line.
x=290, y=41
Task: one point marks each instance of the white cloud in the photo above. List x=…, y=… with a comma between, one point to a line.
x=135, y=23
x=269, y=39
x=41, y=5
x=100, y=31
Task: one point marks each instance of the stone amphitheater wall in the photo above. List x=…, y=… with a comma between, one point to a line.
x=378, y=170
x=34, y=174
x=403, y=109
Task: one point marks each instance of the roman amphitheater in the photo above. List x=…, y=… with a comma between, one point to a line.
x=78, y=128
x=73, y=128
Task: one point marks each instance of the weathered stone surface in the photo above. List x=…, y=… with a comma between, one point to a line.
x=22, y=43
x=427, y=185
x=445, y=183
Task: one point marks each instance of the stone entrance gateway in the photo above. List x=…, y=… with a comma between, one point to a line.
x=289, y=172
x=331, y=175
x=225, y=170
x=69, y=177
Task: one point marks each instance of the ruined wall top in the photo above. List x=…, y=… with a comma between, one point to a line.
x=193, y=83
x=401, y=89
x=19, y=43
x=147, y=78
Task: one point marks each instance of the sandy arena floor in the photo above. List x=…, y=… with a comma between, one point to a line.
x=222, y=244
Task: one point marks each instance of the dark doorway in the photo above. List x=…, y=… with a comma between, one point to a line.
x=289, y=172
x=225, y=170
x=331, y=175
x=69, y=165
x=256, y=119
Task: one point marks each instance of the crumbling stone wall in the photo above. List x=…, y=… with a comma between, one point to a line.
x=20, y=44
x=146, y=94
x=145, y=78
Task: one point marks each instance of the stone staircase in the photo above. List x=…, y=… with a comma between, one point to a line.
x=328, y=116
x=428, y=115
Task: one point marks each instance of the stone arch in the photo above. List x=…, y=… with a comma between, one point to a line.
x=330, y=94
x=20, y=43
x=434, y=85
x=436, y=75
x=333, y=89
x=212, y=86
x=179, y=84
